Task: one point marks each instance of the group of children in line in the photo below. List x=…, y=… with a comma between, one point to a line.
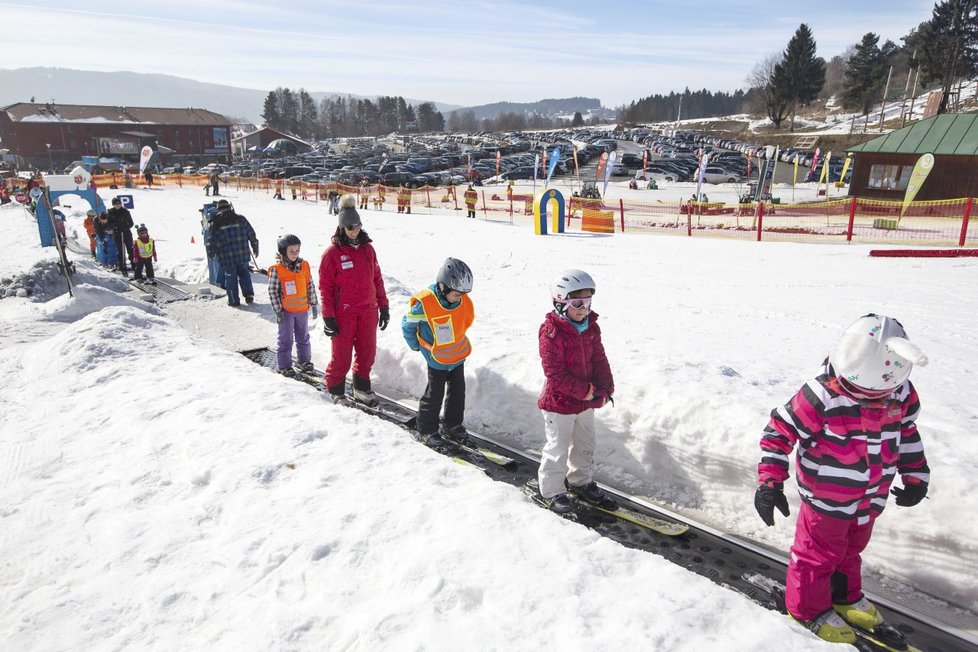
x=853, y=425
x=107, y=233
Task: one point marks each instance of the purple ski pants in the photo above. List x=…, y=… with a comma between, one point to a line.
x=294, y=326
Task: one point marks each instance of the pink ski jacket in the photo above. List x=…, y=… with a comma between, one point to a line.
x=849, y=451
x=572, y=362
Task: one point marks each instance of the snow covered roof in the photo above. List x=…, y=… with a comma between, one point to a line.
x=85, y=113
x=954, y=134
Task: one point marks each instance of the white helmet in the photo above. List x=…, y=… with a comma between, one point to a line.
x=569, y=280
x=875, y=354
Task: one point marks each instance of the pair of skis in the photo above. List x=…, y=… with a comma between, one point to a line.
x=884, y=638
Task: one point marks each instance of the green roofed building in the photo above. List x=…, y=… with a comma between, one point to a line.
x=882, y=166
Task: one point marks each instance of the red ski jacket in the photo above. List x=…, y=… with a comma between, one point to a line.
x=572, y=362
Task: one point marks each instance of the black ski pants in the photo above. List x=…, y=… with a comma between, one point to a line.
x=430, y=404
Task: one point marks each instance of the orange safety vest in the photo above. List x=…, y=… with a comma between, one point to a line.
x=448, y=326
x=294, y=286
x=471, y=197
x=145, y=248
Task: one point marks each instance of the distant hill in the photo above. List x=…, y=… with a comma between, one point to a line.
x=67, y=86
x=566, y=106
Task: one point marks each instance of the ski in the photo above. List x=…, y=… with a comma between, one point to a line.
x=884, y=638
x=660, y=525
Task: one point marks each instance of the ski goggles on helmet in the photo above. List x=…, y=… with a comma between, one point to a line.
x=858, y=392
x=578, y=302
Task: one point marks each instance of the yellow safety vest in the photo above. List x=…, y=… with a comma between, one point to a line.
x=145, y=248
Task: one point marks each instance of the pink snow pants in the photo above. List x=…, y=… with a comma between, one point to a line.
x=358, y=334
x=824, y=546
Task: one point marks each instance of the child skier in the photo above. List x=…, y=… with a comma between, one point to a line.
x=292, y=294
x=143, y=255
x=854, y=427
x=435, y=324
x=578, y=381
x=90, y=229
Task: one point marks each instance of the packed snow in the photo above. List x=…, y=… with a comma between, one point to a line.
x=161, y=491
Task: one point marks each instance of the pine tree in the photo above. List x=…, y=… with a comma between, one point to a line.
x=866, y=73
x=800, y=75
x=270, y=114
x=948, y=45
x=578, y=120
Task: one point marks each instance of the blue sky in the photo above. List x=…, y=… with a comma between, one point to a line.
x=464, y=53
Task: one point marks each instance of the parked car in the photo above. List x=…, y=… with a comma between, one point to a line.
x=714, y=174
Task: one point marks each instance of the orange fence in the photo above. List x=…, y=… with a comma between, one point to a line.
x=947, y=222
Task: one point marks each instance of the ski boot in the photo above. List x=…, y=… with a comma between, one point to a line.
x=249, y=299
x=861, y=614
x=561, y=504
x=592, y=494
x=288, y=372
x=830, y=627
x=457, y=434
x=306, y=367
x=362, y=392
x=338, y=395
x=432, y=440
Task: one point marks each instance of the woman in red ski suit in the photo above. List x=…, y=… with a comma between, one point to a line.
x=354, y=302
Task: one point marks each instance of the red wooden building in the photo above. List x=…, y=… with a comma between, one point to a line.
x=54, y=135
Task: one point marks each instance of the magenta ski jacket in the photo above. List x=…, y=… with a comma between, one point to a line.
x=572, y=362
x=849, y=451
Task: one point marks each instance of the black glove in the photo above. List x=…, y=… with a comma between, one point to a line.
x=766, y=498
x=385, y=317
x=910, y=494
x=330, y=327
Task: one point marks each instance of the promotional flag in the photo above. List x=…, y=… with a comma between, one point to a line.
x=645, y=161
x=552, y=165
x=536, y=166
x=824, y=174
x=845, y=168
x=577, y=168
x=699, y=177
x=498, y=159
x=144, y=156
x=774, y=170
x=818, y=151
x=469, y=174
x=612, y=157
x=920, y=171
x=602, y=163
x=794, y=179
x=749, y=159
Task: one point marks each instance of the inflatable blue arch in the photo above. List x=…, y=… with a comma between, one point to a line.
x=555, y=201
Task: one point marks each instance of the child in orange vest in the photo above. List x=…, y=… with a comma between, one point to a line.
x=435, y=324
x=292, y=294
x=90, y=229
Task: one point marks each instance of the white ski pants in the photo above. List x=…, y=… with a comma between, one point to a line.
x=569, y=451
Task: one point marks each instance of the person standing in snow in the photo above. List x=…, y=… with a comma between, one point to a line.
x=121, y=220
x=855, y=428
x=364, y=191
x=231, y=235
x=214, y=183
x=90, y=229
x=354, y=304
x=143, y=255
x=471, y=197
x=578, y=381
x=292, y=295
x=435, y=324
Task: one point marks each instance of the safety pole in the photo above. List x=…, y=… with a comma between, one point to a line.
x=621, y=208
x=852, y=219
x=964, y=222
x=760, y=219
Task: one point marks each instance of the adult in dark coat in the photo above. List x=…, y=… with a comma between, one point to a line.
x=121, y=220
x=231, y=237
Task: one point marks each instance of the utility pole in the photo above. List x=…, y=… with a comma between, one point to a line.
x=906, y=90
x=913, y=93
x=886, y=89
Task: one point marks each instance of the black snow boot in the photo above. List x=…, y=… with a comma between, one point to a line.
x=591, y=493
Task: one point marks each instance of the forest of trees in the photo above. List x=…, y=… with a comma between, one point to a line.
x=297, y=113
x=938, y=52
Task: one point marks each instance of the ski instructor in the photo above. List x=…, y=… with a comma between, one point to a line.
x=354, y=304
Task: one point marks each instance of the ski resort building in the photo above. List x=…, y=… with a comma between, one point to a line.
x=50, y=135
x=883, y=165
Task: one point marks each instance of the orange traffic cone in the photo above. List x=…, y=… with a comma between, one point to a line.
x=192, y=241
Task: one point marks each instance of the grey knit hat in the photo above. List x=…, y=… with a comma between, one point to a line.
x=348, y=211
